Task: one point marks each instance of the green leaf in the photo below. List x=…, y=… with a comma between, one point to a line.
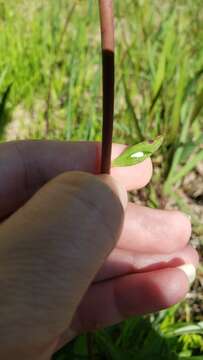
x=167, y=48
x=106, y=346
x=182, y=329
x=197, y=107
x=189, y=166
x=3, y=100
x=190, y=358
x=3, y=105
x=176, y=114
x=137, y=153
x=132, y=110
x=189, y=148
x=3, y=76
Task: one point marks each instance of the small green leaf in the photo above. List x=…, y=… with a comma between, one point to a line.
x=137, y=153
x=197, y=106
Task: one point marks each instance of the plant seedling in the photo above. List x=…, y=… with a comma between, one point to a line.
x=133, y=154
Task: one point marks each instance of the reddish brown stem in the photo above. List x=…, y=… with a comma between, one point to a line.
x=108, y=64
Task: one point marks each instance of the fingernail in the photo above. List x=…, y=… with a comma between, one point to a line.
x=189, y=271
x=118, y=189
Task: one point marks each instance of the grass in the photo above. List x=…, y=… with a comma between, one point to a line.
x=50, y=87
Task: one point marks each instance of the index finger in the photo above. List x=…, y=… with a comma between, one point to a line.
x=25, y=166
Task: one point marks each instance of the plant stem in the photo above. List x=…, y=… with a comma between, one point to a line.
x=108, y=64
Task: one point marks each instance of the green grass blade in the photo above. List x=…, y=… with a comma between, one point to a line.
x=184, y=329
x=155, y=99
x=2, y=76
x=198, y=105
x=176, y=114
x=191, y=357
x=3, y=102
x=187, y=168
x=177, y=154
x=107, y=346
x=133, y=112
x=161, y=70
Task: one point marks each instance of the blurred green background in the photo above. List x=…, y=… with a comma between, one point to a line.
x=50, y=87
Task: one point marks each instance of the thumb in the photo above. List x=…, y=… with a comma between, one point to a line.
x=51, y=250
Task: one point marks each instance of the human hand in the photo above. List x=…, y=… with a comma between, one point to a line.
x=43, y=283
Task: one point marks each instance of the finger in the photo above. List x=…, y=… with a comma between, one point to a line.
x=154, y=231
x=51, y=250
x=122, y=262
x=25, y=166
x=119, y=264
x=130, y=295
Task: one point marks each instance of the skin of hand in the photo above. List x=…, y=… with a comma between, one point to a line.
x=74, y=256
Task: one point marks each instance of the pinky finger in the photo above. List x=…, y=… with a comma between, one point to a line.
x=112, y=301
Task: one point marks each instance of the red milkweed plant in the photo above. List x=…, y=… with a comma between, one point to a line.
x=133, y=154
